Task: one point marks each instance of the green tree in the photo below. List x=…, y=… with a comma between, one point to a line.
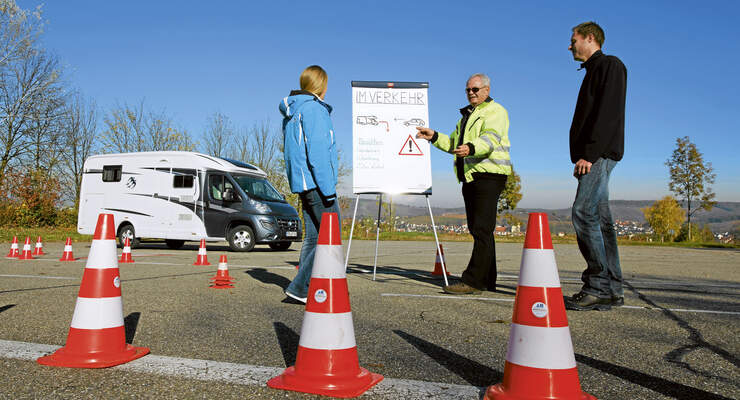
x=701, y=235
x=691, y=178
x=664, y=216
x=510, y=197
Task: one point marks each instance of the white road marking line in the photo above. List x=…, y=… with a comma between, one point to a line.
x=243, y=374
x=512, y=300
x=40, y=276
x=681, y=310
x=442, y=296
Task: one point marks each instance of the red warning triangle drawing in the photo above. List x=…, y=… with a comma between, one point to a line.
x=410, y=148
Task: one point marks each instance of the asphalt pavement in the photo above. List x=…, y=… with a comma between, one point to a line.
x=677, y=337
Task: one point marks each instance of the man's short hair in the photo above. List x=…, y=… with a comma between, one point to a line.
x=483, y=78
x=590, y=28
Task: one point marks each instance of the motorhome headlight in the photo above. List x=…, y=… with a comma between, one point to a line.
x=260, y=206
x=268, y=224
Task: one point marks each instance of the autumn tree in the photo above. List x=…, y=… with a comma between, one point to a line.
x=665, y=217
x=691, y=178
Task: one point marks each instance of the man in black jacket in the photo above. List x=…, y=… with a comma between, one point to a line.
x=596, y=144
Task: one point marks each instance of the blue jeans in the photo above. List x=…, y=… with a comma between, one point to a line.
x=595, y=232
x=313, y=207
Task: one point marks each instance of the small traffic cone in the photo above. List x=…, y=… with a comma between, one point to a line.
x=126, y=253
x=327, y=362
x=438, y=262
x=67, y=255
x=39, y=250
x=222, y=280
x=13, y=253
x=26, y=253
x=540, y=363
x=202, y=255
x=97, y=337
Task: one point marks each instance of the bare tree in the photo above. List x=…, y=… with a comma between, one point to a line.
x=29, y=92
x=80, y=141
x=134, y=128
x=219, y=135
x=19, y=30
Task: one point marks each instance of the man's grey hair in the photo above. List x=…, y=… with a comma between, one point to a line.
x=483, y=77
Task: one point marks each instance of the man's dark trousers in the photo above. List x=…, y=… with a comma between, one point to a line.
x=481, y=199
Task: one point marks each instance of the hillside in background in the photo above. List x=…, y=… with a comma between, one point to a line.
x=725, y=216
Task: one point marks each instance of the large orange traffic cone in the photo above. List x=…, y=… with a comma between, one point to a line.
x=222, y=280
x=540, y=363
x=126, y=253
x=26, y=253
x=67, y=255
x=327, y=362
x=13, y=253
x=97, y=337
x=39, y=250
x=438, y=262
x=202, y=255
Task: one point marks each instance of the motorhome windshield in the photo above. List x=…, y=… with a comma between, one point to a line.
x=258, y=188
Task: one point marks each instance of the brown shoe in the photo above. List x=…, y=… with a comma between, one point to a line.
x=461, y=288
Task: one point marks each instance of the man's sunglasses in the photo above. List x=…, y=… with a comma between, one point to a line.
x=472, y=89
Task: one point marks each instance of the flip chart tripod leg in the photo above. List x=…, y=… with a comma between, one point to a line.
x=436, y=239
x=351, y=231
x=377, y=234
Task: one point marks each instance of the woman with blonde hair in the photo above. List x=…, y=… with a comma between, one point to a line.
x=311, y=164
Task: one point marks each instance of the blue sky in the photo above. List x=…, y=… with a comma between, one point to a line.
x=193, y=58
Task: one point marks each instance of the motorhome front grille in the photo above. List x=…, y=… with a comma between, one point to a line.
x=288, y=224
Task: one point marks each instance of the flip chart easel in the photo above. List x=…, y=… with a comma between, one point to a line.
x=387, y=158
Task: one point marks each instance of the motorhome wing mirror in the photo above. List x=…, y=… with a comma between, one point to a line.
x=229, y=195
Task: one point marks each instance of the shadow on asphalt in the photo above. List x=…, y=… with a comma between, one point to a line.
x=407, y=273
x=268, y=277
x=471, y=371
x=676, y=356
x=130, y=323
x=654, y=383
x=288, y=341
x=3, y=308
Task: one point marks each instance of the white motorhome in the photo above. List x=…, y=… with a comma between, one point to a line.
x=184, y=196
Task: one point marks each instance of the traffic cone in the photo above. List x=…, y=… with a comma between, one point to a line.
x=540, y=363
x=39, y=250
x=67, y=255
x=438, y=262
x=26, y=253
x=97, y=337
x=327, y=362
x=202, y=255
x=13, y=253
x=126, y=253
x=222, y=280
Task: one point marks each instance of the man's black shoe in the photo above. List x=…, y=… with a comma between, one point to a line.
x=617, y=301
x=583, y=301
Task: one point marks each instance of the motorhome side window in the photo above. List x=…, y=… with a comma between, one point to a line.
x=183, y=181
x=111, y=173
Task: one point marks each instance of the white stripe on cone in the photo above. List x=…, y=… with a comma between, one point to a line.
x=98, y=313
x=223, y=266
x=540, y=347
x=100, y=254
x=27, y=247
x=327, y=331
x=538, y=269
x=67, y=248
x=201, y=251
x=324, y=262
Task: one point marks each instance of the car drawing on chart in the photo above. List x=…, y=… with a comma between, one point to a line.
x=414, y=122
x=367, y=120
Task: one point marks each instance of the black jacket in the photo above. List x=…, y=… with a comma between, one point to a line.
x=598, y=122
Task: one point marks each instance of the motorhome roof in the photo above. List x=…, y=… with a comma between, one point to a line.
x=196, y=160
